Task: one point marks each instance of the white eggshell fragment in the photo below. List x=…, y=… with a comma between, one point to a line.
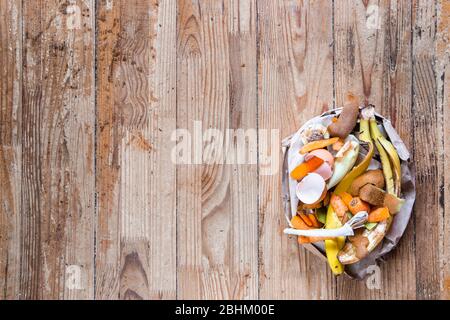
x=325, y=171
x=311, y=188
x=323, y=154
x=314, y=132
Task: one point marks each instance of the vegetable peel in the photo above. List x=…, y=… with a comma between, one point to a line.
x=347, y=119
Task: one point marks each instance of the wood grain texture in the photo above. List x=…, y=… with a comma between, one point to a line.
x=57, y=207
x=136, y=179
x=426, y=152
x=443, y=100
x=295, y=83
x=241, y=29
x=373, y=49
x=216, y=204
x=10, y=146
x=92, y=201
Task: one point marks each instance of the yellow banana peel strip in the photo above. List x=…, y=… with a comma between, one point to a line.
x=385, y=162
x=364, y=136
x=395, y=161
x=332, y=247
x=389, y=159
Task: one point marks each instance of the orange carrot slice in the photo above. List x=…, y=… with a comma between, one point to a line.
x=319, y=144
x=312, y=206
x=347, y=198
x=326, y=200
x=299, y=223
x=378, y=215
x=306, y=220
x=306, y=167
x=338, y=205
x=303, y=240
x=314, y=221
x=356, y=205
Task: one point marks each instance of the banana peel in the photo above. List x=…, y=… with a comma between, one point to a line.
x=387, y=154
x=364, y=136
x=390, y=163
x=392, y=156
x=387, y=170
x=343, y=164
x=333, y=247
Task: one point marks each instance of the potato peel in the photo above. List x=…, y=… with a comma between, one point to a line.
x=347, y=119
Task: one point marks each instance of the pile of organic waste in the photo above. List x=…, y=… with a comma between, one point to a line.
x=348, y=185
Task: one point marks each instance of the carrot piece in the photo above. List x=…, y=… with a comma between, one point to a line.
x=303, y=240
x=314, y=220
x=312, y=206
x=356, y=205
x=305, y=219
x=338, y=145
x=378, y=215
x=318, y=144
x=306, y=167
x=298, y=223
x=347, y=198
x=326, y=200
x=338, y=205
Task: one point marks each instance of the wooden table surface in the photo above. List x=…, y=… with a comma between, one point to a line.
x=91, y=203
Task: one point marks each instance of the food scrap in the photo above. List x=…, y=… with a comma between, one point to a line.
x=334, y=184
x=347, y=120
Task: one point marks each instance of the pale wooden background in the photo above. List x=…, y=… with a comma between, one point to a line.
x=86, y=119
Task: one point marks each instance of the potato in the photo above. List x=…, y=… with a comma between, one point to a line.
x=374, y=177
x=373, y=195
x=347, y=119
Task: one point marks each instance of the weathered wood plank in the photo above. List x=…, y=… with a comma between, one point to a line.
x=107, y=264
x=136, y=179
x=427, y=148
x=228, y=215
x=57, y=208
x=243, y=242
x=443, y=91
x=10, y=145
x=373, y=60
x=295, y=83
x=217, y=204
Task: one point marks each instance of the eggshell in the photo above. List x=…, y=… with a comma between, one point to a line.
x=323, y=154
x=325, y=171
x=311, y=188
